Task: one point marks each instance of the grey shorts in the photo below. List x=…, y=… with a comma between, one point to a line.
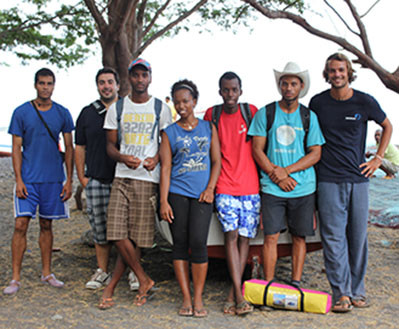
x=131, y=211
x=97, y=197
x=296, y=213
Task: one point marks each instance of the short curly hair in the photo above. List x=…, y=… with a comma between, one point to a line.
x=188, y=85
x=342, y=58
x=229, y=76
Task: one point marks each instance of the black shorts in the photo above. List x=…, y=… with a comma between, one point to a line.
x=296, y=213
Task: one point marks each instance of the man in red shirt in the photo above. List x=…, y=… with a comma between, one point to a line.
x=237, y=190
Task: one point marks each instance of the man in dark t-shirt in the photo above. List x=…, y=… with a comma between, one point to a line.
x=91, y=154
x=343, y=180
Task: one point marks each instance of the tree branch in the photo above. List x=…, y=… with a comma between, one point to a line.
x=290, y=5
x=390, y=80
x=375, y=3
x=98, y=18
x=25, y=26
x=140, y=13
x=363, y=33
x=168, y=27
x=157, y=14
x=341, y=18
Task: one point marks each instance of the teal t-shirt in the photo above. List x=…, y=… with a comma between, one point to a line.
x=285, y=147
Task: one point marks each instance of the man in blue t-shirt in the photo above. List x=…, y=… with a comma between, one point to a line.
x=342, y=175
x=39, y=174
x=288, y=179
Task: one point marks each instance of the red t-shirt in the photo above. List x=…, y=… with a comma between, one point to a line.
x=239, y=175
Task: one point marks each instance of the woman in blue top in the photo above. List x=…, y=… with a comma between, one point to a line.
x=190, y=167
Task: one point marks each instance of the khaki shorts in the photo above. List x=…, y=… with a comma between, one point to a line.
x=131, y=211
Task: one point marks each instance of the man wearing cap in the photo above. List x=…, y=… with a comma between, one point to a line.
x=131, y=211
x=90, y=152
x=343, y=180
x=286, y=153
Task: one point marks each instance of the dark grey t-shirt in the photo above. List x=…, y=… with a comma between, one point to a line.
x=90, y=132
x=344, y=126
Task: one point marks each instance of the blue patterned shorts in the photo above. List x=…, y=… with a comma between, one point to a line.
x=239, y=212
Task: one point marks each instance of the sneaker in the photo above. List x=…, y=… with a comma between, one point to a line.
x=99, y=279
x=52, y=281
x=12, y=288
x=133, y=282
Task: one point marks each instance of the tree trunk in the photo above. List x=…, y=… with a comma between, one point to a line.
x=123, y=35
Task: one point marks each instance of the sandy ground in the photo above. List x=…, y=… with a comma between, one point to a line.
x=40, y=306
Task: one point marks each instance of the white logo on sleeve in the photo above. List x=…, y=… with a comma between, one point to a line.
x=285, y=135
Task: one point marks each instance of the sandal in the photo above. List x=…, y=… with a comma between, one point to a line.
x=12, y=288
x=200, y=313
x=52, y=281
x=342, y=306
x=140, y=300
x=229, y=308
x=244, y=308
x=105, y=303
x=361, y=302
x=186, y=311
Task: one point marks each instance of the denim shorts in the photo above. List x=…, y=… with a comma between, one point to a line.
x=238, y=212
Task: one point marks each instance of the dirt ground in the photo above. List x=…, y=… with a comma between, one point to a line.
x=40, y=306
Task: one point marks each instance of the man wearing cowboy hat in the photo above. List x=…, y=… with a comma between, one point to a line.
x=286, y=149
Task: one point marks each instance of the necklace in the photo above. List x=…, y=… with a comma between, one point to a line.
x=188, y=125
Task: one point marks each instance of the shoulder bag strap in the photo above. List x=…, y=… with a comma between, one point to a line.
x=44, y=122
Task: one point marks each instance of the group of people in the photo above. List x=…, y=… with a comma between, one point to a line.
x=245, y=161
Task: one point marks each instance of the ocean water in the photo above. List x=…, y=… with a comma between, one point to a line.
x=384, y=201
x=5, y=140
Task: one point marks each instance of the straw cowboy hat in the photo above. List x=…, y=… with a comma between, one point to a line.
x=293, y=69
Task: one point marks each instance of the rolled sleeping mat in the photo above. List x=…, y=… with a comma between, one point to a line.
x=285, y=296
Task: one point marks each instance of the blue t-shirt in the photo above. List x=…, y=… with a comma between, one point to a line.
x=191, y=163
x=344, y=125
x=285, y=147
x=41, y=161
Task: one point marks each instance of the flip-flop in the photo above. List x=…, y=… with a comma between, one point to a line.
x=186, y=311
x=105, y=303
x=361, y=302
x=229, y=308
x=141, y=300
x=153, y=289
x=244, y=308
x=200, y=313
x=342, y=306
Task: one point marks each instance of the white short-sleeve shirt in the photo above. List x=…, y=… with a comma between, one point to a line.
x=137, y=122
